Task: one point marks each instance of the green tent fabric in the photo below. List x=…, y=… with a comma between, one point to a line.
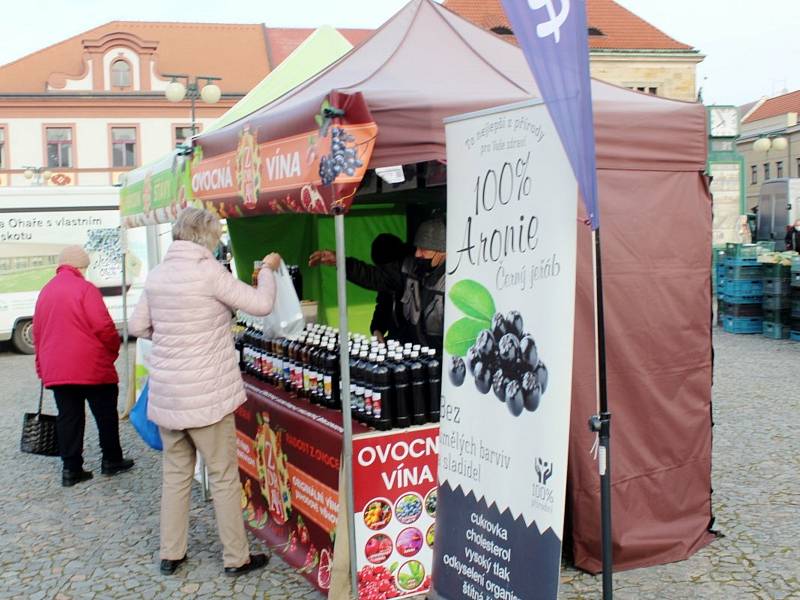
x=319, y=50
x=295, y=237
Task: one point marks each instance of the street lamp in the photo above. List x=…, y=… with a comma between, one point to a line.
x=777, y=143
x=38, y=175
x=177, y=90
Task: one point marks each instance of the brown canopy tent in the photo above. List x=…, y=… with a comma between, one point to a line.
x=426, y=64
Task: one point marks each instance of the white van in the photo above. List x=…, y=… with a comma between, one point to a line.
x=36, y=223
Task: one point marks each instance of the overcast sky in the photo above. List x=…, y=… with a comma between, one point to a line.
x=752, y=48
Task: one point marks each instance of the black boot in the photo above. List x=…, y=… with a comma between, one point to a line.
x=113, y=467
x=257, y=561
x=70, y=478
x=168, y=566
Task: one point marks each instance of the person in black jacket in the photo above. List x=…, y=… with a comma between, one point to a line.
x=417, y=280
x=793, y=237
x=387, y=319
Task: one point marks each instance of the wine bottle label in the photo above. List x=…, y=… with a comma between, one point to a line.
x=368, y=402
x=306, y=379
x=377, y=405
x=327, y=385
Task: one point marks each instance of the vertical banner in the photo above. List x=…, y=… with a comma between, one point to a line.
x=509, y=316
x=555, y=40
x=395, y=495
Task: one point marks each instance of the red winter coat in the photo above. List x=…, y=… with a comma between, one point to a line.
x=76, y=340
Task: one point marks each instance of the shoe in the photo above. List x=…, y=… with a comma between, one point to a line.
x=168, y=566
x=70, y=478
x=257, y=561
x=112, y=468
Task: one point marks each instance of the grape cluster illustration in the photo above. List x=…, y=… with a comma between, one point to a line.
x=343, y=158
x=505, y=359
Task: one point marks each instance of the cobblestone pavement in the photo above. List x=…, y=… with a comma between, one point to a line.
x=100, y=539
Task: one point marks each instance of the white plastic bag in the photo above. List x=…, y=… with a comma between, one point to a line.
x=286, y=318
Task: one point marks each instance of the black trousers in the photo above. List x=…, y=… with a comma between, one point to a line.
x=72, y=420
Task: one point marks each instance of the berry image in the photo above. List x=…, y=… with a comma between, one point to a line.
x=342, y=159
x=509, y=349
x=541, y=376
x=473, y=357
x=499, y=326
x=527, y=350
x=457, y=371
x=483, y=378
x=514, y=323
x=506, y=360
x=485, y=344
x=514, y=400
x=499, y=382
x=531, y=392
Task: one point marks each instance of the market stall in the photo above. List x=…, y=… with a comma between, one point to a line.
x=391, y=97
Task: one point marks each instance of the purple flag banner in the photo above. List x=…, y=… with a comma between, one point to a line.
x=554, y=37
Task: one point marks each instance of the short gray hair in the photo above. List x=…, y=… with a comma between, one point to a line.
x=198, y=226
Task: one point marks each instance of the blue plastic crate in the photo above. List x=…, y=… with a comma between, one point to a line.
x=775, y=302
x=775, y=331
x=776, y=287
x=751, y=272
x=782, y=316
x=795, y=268
x=743, y=324
x=742, y=299
x=741, y=251
x=741, y=262
x=794, y=335
x=795, y=279
x=743, y=287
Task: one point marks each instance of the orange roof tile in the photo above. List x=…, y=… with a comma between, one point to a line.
x=236, y=52
x=621, y=29
x=779, y=105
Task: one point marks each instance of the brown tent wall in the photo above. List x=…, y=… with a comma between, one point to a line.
x=426, y=64
x=656, y=234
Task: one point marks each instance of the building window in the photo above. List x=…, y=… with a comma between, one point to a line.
x=653, y=91
x=59, y=147
x=123, y=146
x=182, y=134
x=779, y=169
x=120, y=74
x=753, y=175
x=766, y=171
x=2, y=148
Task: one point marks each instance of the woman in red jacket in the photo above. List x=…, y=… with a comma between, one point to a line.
x=76, y=346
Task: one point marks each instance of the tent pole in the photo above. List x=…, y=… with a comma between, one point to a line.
x=123, y=233
x=601, y=424
x=347, y=419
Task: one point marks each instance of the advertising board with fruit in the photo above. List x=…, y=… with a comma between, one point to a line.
x=510, y=297
x=289, y=461
x=395, y=494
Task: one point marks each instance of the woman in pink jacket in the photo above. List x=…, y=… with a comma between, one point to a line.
x=195, y=384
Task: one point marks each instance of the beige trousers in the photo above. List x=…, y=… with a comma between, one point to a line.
x=217, y=445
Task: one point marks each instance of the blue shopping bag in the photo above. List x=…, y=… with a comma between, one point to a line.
x=146, y=428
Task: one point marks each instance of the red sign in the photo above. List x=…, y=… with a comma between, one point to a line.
x=394, y=479
x=289, y=458
x=316, y=170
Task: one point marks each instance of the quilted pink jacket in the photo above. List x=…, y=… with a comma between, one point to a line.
x=186, y=311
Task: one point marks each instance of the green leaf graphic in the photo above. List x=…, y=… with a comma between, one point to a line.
x=473, y=299
x=393, y=568
x=462, y=334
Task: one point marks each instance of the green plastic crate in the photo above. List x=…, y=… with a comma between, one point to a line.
x=775, y=271
x=741, y=250
x=775, y=331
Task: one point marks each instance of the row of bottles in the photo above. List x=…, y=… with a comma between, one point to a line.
x=391, y=385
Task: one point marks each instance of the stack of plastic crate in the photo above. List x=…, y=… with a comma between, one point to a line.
x=794, y=299
x=719, y=280
x=776, y=303
x=743, y=290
